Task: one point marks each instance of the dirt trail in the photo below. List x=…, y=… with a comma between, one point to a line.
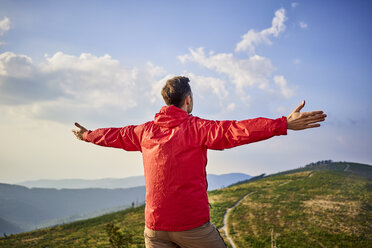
x=225, y=220
x=225, y=228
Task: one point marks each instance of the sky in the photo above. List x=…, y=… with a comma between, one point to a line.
x=103, y=64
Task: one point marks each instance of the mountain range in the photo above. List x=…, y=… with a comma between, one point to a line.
x=214, y=182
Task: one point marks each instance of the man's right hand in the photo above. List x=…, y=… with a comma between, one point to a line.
x=79, y=132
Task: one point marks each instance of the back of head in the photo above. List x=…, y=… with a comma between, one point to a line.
x=175, y=91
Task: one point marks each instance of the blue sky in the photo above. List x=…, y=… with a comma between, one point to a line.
x=103, y=63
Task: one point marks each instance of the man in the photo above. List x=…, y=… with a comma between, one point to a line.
x=174, y=150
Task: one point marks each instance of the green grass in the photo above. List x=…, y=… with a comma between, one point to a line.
x=309, y=209
x=306, y=208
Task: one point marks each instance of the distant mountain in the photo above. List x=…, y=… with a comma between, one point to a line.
x=224, y=180
x=214, y=182
x=309, y=208
x=105, y=183
x=37, y=207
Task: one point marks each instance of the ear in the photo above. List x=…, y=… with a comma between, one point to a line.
x=188, y=100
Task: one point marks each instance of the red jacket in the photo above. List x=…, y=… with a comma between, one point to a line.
x=174, y=150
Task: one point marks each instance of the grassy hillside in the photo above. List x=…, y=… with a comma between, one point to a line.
x=354, y=168
x=85, y=233
x=306, y=209
x=310, y=208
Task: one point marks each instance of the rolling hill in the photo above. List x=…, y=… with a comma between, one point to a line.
x=322, y=206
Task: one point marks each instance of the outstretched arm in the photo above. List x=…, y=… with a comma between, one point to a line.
x=300, y=121
x=79, y=132
x=124, y=137
x=219, y=135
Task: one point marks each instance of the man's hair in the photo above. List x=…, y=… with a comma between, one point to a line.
x=175, y=91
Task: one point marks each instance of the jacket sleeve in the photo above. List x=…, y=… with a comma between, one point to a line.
x=219, y=135
x=125, y=137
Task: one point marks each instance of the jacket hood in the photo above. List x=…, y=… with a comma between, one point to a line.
x=170, y=116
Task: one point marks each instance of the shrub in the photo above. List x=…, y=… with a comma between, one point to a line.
x=117, y=238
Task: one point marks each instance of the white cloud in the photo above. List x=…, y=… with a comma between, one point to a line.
x=284, y=89
x=302, y=25
x=253, y=71
x=253, y=38
x=4, y=25
x=206, y=86
x=210, y=94
x=294, y=4
x=17, y=66
x=64, y=84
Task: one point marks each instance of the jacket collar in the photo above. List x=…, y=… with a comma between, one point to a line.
x=170, y=116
